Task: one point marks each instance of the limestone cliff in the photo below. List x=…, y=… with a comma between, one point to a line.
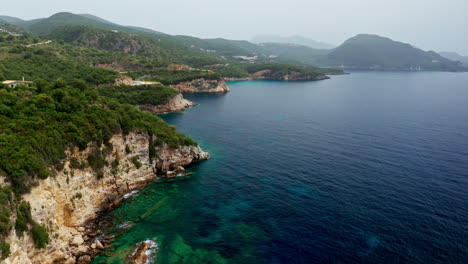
x=201, y=85
x=176, y=104
x=66, y=202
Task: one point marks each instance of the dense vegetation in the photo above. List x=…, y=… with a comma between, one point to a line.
x=139, y=95
x=39, y=123
x=46, y=62
x=168, y=76
x=159, y=49
x=278, y=70
x=236, y=70
x=65, y=107
x=375, y=52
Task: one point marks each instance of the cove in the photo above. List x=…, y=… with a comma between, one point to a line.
x=368, y=167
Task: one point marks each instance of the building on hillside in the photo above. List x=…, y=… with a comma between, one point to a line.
x=13, y=83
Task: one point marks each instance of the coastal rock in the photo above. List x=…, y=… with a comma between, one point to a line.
x=99, y=244
x=169, y=160
x=201, y=85
x=232, y=79
x=85, y=259
x=144, y=252
x=77, y=240
x=73, y=197
x=123, y=80
x=176, y=104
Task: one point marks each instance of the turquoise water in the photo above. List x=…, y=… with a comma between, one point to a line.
x=364, y=168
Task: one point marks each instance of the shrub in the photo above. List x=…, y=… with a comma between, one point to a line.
x=5, y=249
x=76, y=164
x=136, y=162
x=5, y=224
x=127, y=149
x=96, y=160
x=40, y=236
x=23, y=218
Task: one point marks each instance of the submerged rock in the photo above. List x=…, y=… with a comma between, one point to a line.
x=144, y=253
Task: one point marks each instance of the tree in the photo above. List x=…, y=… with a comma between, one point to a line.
x=41, y=85
x=40, y=236
x=60, y=83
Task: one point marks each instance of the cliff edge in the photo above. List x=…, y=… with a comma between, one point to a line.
x=201, y=85
x=67, y=202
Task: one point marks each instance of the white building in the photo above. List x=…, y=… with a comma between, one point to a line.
x=13, y=83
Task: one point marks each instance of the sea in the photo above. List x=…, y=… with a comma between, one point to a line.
x=369, y=167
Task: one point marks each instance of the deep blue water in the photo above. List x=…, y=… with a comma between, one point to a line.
x=367, y=167
x=363, y=168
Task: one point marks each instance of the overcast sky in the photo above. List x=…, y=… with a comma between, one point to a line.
x=439, y=25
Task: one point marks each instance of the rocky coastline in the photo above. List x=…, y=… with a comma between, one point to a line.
x=265, y=75
x=201, y=85
x=176, y=104
x=69, y=202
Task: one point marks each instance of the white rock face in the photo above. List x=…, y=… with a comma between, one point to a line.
x=176, y=104
x=201, y=86
x=66, y=202
x=77, y=240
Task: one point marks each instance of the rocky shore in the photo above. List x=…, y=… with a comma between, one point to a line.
x=266, y=75
x=68, y=202
x=176, y=104
x=201, y=85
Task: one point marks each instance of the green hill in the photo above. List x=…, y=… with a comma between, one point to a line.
x=360, y=52
x=51, y=61
x=295, y=40
x=379, y=53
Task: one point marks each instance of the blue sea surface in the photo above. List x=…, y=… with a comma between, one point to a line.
x=370, y=167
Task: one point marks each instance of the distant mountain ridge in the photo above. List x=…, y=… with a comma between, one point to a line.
x=364, y=51
x=455, y=56
x=372, y=52
x=299, y=40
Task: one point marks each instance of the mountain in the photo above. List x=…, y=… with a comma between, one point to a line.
x=360, y=52
x=45, y=26
x=299, y=40
x=455, y=56
x=12, y=20
x=293, y=53
x=379, y=53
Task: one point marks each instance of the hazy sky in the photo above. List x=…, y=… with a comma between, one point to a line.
x=429, y=24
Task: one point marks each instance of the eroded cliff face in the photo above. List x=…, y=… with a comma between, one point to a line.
x=176, y=104
x=66, y=202
x=201, y=86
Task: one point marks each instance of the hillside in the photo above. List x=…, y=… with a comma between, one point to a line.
x=20, y=58
x=455, y=57
x=91, y=31
x=293, y=53
x=360, y=52
x=295, y=40
x=379, y=53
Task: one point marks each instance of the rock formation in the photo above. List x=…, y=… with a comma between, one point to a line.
x=176, y=104
x=201, y=85
x=67, y=202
